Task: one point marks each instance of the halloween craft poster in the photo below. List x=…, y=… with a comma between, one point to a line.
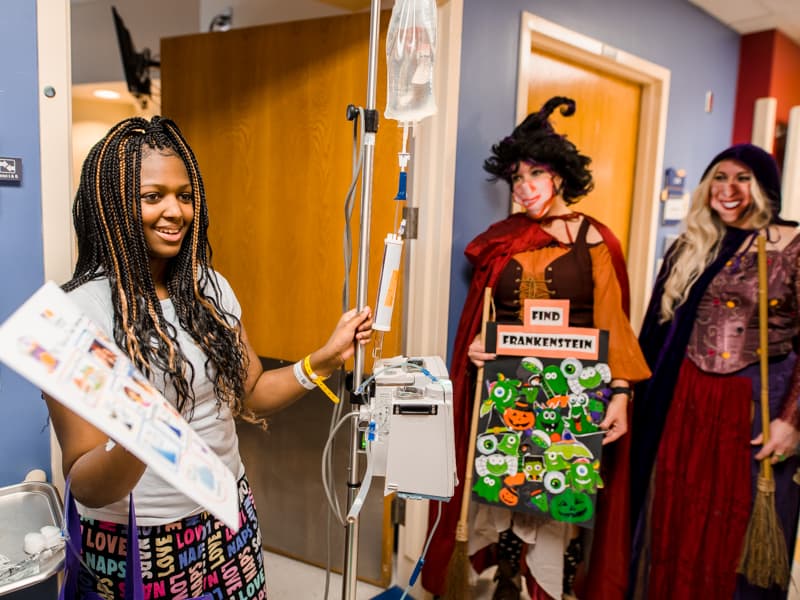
x=538, y=445
x=61, y=351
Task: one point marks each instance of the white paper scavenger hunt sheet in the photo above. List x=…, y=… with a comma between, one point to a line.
x=58, y=349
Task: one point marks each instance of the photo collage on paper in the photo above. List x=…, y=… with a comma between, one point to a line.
x=50, y=343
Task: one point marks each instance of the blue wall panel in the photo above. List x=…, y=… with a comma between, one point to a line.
x=24, y=431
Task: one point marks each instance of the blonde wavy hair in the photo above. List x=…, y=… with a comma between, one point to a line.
x=698, y=246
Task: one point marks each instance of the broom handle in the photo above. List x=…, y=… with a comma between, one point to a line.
x=462, y=534
x=763, y=344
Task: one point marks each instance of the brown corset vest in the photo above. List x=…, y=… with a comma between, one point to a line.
x=567, y=277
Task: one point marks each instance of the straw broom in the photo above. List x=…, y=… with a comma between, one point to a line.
x=794, y=575
x=457, y=583
x=764, y=561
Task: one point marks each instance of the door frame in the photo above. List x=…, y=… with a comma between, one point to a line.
x=426, y=297
x=55, y=155
x=433, y=175
x=536, y=32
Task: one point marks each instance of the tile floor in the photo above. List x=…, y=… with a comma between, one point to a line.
x=289, y=579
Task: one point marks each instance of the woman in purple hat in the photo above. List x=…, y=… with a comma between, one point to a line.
x=697, y=428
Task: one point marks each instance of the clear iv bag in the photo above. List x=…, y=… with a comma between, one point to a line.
x=410, y=50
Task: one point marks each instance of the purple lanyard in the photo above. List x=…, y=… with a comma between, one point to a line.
x=134, y=589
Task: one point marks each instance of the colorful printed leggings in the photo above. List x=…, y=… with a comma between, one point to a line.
x=195, y=556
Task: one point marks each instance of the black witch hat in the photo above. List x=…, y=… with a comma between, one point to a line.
x=535, y=140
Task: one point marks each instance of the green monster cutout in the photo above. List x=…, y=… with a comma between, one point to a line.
x=488, y=488
x=530, y=444
x=509, y=444
x=534, y=366
x=541, y=439
x=555, y=482
x=592, y=377
x=571, y=368
x=533, y=469
x=559, y=456
x=531, y=370
x=554, y=461
x=584, y=478
x=486, y=443
x=530, y=392
x=550, y=422
x=553, y=381
x=579, y=414
x=539, y=500
x=596, y=409
x=572, y=507
x=486, y=407
x=504, y=393
x=496, y=465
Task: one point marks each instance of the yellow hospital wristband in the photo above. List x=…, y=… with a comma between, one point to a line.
x=319, y=381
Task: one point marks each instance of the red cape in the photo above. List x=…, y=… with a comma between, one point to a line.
x=489, y=253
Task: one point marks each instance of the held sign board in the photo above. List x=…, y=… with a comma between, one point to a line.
x=538, y=448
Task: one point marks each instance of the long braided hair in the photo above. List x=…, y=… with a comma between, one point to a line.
x=111, y=244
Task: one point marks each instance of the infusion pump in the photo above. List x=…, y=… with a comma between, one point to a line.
x=411, y=427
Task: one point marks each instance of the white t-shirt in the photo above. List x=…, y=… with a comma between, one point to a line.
x=156, y=501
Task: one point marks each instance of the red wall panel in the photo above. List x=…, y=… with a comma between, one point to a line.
x=769, y=66
x=755, y=75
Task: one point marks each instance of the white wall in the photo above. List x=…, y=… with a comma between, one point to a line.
x=95, y=53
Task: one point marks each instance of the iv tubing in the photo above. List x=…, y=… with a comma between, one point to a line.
x=355, y=509
x=421, y=562
x=423, y=370
x=325, y=483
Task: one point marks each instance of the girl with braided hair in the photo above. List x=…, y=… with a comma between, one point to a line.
x=546, y=251
x=144, y=275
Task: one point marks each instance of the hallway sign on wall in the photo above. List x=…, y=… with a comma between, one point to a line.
x=10, y=170
x=61, y=351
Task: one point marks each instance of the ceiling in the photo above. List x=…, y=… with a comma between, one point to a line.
x=750, y=16
x=743, y=16
x=94, y=47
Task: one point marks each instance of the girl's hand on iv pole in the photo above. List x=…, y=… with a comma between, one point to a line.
x=353, y=327
x=274, y=389
x=477, y=352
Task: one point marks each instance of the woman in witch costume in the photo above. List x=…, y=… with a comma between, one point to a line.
x=547, y=251
x=700, y=425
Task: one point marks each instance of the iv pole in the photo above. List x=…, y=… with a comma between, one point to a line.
x=349, y=570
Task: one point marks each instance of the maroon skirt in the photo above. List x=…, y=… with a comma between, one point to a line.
x=704, y=483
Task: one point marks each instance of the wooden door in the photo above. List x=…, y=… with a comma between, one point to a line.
x=604, y=127
x=264, y=109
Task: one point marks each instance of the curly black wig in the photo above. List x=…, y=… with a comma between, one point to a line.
x=535, y=140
